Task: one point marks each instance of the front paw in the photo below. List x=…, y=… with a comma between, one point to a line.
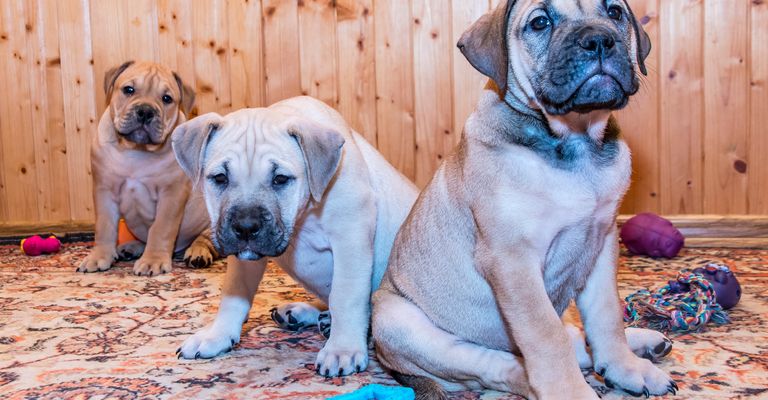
x=153, y=264
x=636, y=376
x=339, y=360
x=208, y=343
x=198, y=256
x=100, y=259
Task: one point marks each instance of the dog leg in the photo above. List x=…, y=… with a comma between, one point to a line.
x=163, y=232
x=103, y=253
x=645, y=343
x=295, y=316
x=613, y=358
x=201, y=252
x=130, y=250
x=240, y=283
x=408, y=342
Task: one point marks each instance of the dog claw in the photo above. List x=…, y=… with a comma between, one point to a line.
x=178, y=350
x=232, y=341
x=601, y=372
x=197, y=355
x=646, y=392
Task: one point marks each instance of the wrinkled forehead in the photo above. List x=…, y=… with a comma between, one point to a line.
x=255, y=139
x=146, y=76
x=566, y=9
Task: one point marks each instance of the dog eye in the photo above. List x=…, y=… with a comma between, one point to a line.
x=128, y=90
x=615, y=12
x=540, y=23
x=167, y=99
x=220, y=179
x=280, y=180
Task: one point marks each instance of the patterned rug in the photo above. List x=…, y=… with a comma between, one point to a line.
x=113, y=335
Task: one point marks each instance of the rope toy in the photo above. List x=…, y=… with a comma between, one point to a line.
x=683, y=305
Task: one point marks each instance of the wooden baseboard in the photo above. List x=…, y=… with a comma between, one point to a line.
x=732, y=231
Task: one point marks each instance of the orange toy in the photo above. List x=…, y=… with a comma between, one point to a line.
x=124, y=234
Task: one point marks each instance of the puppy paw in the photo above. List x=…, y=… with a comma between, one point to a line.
x=151, y=264
x=636, y=376
x=649, y=344
x=295, y=316
x=324, y=323
x=130, y=250
x=198, y=256
x=339, y=360
x=209, y=342
x=100, y=259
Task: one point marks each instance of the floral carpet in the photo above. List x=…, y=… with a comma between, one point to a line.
x=112, y=335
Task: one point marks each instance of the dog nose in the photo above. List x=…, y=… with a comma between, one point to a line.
x=596, y=41
x=247, y=227
x=145, y=113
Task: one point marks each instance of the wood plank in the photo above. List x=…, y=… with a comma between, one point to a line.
x=726, y=77
x=211, y=40
x=433, y=90
x=317, y=55
x=394, y=85
x=708, y=225
x=281, y=56
x=44, y=65
x=356, y=75
x=467, y=82
x=78, y=85
x=682, y=106
x=640, y=120
x=18, y=159
x=174, y=38
x=757, y=171
x=246, y=53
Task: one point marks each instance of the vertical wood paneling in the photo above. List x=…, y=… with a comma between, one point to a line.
x=48, y=110
x=682, y=105
x=245, y=49
x=640, y=121
x=281, y=50
x=394, y=84
x=433, y=91
x=758, y=132
x=726, y=94
x=698, y=128
x=356, y=65
x=19, y=158
x=317, y=38
x=78, y=86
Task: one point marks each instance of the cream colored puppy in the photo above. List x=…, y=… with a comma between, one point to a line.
x=293, y=182
x=520, y=220
x=136, y=176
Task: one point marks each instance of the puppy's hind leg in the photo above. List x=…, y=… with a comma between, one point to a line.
x=201, y=252
x=295, y=316
x=130, y=250
x=420, y=353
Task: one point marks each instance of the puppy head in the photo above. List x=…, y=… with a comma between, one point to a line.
x=258, y=170
x=560, y=56
x=145, y=102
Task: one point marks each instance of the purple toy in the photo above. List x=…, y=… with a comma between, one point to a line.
x=727, y=288
x=651, y=235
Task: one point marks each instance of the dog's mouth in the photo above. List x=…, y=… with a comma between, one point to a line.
x=140, y=135
x=250, y=250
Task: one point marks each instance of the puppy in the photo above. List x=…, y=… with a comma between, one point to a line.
x=136, y=176
x=295, y=183
x=520, y=219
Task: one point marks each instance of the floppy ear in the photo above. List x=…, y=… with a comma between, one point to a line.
x=484, y=44
x=189, y=141
x=643, y=41
x=111, y=77
x=187, y=100
x=321, y=148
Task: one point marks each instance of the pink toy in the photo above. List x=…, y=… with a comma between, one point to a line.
x=35, y=245
x=651, y=235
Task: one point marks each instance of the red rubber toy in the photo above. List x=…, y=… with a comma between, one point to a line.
x=35, y=245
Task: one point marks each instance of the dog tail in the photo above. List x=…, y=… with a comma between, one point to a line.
x=425, y=388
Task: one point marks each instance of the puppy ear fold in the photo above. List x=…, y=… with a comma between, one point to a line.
x=484, y=44
x=189, y=141
x=642, y=39
x=322, y=148
x=111, y=77
x=187, y=100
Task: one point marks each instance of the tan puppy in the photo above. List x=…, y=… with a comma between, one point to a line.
x=520, y=220
x=136, y=176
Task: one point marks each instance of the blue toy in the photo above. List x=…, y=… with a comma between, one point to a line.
x=378, y=392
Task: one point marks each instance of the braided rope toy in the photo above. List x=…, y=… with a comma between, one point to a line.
x=684, y=305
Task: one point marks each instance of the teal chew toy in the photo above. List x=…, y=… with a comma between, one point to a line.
x=378, y=392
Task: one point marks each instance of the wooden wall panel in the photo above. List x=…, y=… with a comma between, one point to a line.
x=698, y=128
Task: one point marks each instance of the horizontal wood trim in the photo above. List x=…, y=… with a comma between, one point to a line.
x=34, y=228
